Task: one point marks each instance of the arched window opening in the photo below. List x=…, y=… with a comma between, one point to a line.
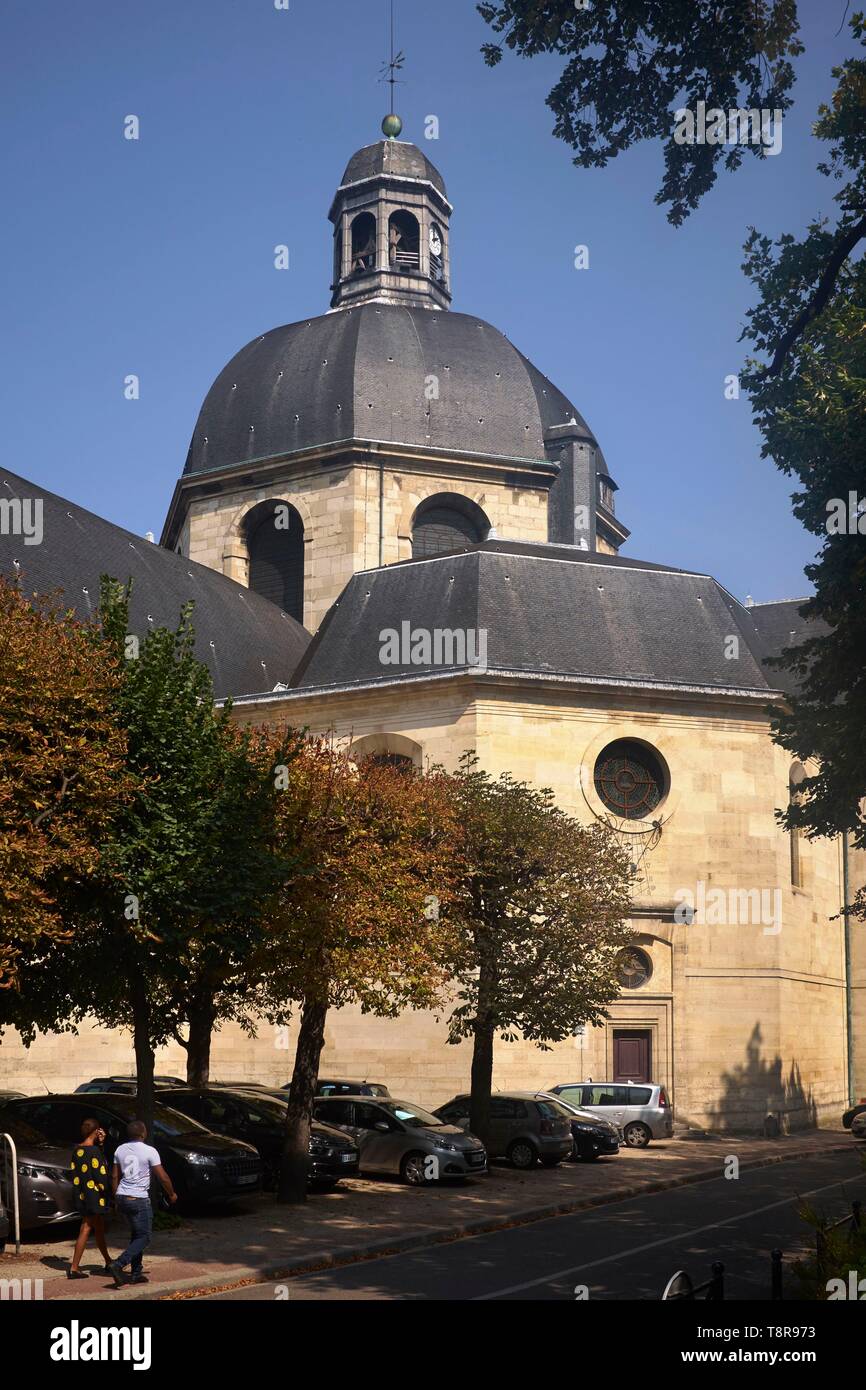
x=446, y=522
x=401, y=761
x=363, y=243
x=275, y=542
x=338, y=258
x=437, y=253
x=796, y=778
x=404, y=241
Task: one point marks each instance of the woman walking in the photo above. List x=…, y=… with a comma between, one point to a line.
x=90, y=1180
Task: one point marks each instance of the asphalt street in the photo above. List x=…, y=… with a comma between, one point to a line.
x=627, y=1250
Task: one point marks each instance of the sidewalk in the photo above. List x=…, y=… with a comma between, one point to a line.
x=256, y=1239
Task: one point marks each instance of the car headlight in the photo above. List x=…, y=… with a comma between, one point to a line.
x=586, y=1129
x=199, y=1159
x=31, y=1170
x=447, y=1146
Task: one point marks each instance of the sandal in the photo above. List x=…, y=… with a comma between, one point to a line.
x=76, y=1274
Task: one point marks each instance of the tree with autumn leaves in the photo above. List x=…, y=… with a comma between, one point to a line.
x=362, y=919
x=62, y=770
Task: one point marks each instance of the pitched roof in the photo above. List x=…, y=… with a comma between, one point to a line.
x=247, y=642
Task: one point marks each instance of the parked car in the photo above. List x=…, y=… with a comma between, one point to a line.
x=46, y=1196
x=640, y=1112
x=348, y=1088
x=858, y=1126
x=851, y=1115
x=202, y=1166
x=523, y=1128
x=395, y=1136
x=121, y=1085
x=9, y=1095
x=591, y=1136
x=259, y=1119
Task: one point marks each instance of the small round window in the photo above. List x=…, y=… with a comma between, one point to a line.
x=629, y=779
x=633, y=968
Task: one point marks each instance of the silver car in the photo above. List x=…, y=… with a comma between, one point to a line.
x=395, y=1136
x=640, y=1111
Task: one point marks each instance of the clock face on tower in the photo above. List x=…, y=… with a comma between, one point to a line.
x=435, y=241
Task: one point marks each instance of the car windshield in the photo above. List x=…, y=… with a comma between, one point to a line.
x=167, y=1124
x=23, y=1135
x=562, y=1105
x=413, y=1116
x=553, y=1109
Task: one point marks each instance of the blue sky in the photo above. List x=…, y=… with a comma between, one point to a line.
x=155, y=257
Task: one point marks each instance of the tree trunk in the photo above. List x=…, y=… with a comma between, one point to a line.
x=482, y=1049
x=144, y=1056
x=295, y=1158
x=201, y=1020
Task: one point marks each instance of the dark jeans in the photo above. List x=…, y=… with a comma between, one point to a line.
x=139, y=1214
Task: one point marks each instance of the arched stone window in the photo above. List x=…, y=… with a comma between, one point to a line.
x=447, y=522
x=363, y=243
x=404, y=241
x=338, y=258
x=275, y=544
x=389, y=750
x=796, y=777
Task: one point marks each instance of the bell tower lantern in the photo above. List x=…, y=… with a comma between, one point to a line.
x=391, y=222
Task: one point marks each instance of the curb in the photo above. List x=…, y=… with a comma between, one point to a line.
x=243, y=1276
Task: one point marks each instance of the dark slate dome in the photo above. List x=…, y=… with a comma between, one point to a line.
x=395, y=158
x=360, y=373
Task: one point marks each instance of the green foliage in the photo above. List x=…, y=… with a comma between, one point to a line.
x=539, y=908
x=632, y=63
x=810, y=406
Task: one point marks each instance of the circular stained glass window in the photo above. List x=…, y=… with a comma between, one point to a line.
x=633, y=968
x=629, y=779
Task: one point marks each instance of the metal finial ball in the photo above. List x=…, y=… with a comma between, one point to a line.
x=391, y=126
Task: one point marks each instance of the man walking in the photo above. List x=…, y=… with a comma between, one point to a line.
x=134, y=1162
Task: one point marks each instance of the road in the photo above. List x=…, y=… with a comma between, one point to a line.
x=626, y=1250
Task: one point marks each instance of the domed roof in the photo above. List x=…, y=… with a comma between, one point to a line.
x=394, y=158
x=366, y=373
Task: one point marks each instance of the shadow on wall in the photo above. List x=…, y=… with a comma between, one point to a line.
x=758, y=1098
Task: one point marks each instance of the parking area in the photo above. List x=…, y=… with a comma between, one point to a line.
x=364, y=1217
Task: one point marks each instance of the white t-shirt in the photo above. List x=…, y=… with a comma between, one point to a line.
x=135, y=1161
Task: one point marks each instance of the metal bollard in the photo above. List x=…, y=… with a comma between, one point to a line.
x=776, y=1276
x=716, y=1289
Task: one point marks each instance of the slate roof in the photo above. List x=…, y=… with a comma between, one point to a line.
x=396, y=158
x=246, y=641
x=360, y=373
x=549, y=611
x=779, y=625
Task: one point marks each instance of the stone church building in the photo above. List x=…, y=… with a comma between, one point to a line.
x=397, y=529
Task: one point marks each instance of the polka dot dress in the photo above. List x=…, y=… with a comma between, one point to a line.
x=89, y=1173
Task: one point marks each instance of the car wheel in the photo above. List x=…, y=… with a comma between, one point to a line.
x=413, y=1169
x=521, y=1154
x=637, y=1136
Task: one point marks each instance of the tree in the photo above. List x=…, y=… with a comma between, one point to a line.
x=810, y=406
x=174, y=928
x=632, y=64
x=192, y=859
x=358, y=920
x=539, y=910
x=61, y=769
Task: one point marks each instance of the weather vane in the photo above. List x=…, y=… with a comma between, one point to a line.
x=392, y=125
